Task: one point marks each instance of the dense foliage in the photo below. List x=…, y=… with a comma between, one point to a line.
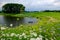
x=13, y=8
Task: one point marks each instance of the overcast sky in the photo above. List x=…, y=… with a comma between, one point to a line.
x=35, y=5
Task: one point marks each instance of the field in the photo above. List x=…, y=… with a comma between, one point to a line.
x=46, y=28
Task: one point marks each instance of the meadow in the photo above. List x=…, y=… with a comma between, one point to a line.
x=46, y=28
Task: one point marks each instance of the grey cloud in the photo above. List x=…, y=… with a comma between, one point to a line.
x=35, y=5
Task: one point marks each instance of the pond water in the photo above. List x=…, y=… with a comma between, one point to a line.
x=16, y=21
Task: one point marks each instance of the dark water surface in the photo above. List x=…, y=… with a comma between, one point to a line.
x=16, y=21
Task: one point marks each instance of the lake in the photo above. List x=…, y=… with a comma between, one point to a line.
x=10, y=21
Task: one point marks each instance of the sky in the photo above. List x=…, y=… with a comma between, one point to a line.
x=35, y=5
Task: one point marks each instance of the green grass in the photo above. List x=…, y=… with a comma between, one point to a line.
x=48, y=26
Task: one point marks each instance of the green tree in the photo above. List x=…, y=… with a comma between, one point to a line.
x=13, y=8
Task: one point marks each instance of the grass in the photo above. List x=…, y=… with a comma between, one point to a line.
x=47, y=27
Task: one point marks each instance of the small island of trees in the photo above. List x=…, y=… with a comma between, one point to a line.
x=13, y=8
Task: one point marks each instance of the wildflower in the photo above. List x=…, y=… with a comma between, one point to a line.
x=33, y=39
x=23, y=34
x=12, y=34
x=21, y=25
x=38, y=38
x=11, y=25
x=34, y=34
x=17, y=18
x=17, y=35
x=3, y=35
x=52, y=39
x=3, y=28
x=20, y=36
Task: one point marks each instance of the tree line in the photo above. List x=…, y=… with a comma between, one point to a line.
x=51, y=11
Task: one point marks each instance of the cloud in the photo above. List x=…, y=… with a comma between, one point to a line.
x=35, y=5
x=57, y=4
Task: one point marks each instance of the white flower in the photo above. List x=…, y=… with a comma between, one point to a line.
x=21, y=25
x=17, y=35
x=52, y=39
x=38, y=38
x=12, y=34
x=34, y=34
x=23, y=34
x=20, y=36
x=3, y=28
x=33, y=39
x=17, y=18
x=3, y=35
x=11, y=25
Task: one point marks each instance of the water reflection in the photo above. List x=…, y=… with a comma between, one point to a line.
x=12, y=21
x=16, y=21
x=2, y=21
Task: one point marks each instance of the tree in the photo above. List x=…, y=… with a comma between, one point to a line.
x=13, y=8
